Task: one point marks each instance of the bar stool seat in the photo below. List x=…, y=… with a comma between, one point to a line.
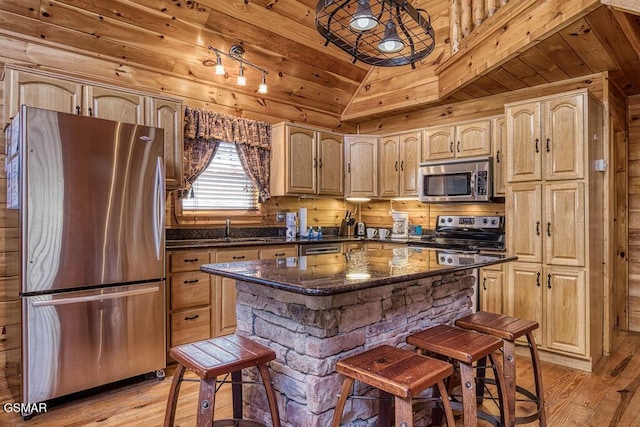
x=214, y=357
x=401, y=373
x=466, y=347
x=509, y=329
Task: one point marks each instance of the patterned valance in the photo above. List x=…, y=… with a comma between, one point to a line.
x=204, y=130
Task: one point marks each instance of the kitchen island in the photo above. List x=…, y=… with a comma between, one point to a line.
x=315, y=310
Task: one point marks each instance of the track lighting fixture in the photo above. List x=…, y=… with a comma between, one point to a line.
x=236, y=53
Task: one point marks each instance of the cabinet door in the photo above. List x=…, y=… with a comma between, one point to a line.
x=438, y=143
x=224, y=306
x=491, y=292
x=115, y=105
x=40, y=92
x=473, y=139
x=524, y=157
x=524, y=227
x=361, y=157
x=410, y=146
x=564, y=226
x=331, y=164
x=388, y=173
x=563, y=137
x=525, y=294
x=168, y=115
x=499, y=143
x=566, y=310
x=302, y=165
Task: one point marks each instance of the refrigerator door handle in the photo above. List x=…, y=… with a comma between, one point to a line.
x=158, y=219
x=75, y=300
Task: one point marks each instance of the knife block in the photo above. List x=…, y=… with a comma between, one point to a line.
x=345, y=229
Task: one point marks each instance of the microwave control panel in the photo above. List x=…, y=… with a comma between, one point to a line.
x=482, y=184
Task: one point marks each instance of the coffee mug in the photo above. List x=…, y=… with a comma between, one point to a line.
x=383, y=232
x=371, y=233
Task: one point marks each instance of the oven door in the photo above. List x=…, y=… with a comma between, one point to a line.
x=455, y=181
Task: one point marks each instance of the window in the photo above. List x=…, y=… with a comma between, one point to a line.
x=224, y=185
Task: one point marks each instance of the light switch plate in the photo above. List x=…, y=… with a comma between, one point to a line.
x=280, y=217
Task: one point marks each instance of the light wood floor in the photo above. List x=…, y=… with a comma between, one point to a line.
x=606, y=397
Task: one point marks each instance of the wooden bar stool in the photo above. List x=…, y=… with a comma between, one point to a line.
x=401, y=373
x=466, y=347
x=211, y=358
x=509, y=329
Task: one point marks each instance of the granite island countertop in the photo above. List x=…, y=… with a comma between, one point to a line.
x=338, y=273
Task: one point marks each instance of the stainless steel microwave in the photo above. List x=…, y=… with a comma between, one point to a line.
x=459, y=180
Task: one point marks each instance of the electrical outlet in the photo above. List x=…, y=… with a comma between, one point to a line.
x=280, y=217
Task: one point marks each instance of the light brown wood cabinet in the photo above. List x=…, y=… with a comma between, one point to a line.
x=462, y=140
x=65, y=94
x=498, y=147
x=548, y=137
x=361, y=160
x=399, y=164
x=491, y=289
x=306, y=161
x=189, y=301
x=554, y=216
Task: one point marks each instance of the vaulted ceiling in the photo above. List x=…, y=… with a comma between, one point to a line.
x=307, y=80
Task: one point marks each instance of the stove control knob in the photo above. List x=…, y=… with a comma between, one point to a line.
x=443, y=258
x=494, y=222
x=485, y=220
x=449, y=219
x=450, y=261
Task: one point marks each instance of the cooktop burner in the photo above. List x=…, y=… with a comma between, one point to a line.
x=466, y=233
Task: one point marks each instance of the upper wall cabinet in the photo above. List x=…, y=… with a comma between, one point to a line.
x=306, y=161
x=463, y=140
x=67, y=95
x=361, y=159
x=547, y=139
x=399, y=163
x=499, y=144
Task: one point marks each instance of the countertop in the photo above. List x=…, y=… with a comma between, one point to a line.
x=265, y=241
x=337, y=273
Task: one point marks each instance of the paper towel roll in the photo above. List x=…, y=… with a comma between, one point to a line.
x=302, y=222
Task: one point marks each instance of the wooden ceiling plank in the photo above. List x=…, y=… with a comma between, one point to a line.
x=524, y=72
x=15, y=50
x=507, y=79
x=187, y=11
x=557, y=49
x=616, y=41
x=504, y=42
x=28, y=8
x=264, y=19
x=490, y=85
x=630, y=28
x=630, y=6
x=583, y=40
x=535, y=58
x=164, y=25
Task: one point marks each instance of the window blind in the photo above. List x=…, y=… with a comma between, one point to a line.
x=223, y=185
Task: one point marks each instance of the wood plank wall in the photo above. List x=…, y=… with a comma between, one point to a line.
x=634, y=212
x=9, y=285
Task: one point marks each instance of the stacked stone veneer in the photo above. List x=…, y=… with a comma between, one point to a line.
x=310, y=333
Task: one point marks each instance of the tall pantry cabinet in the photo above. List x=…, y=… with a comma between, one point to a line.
x=554, y=206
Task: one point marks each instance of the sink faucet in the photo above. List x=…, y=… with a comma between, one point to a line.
x=227, y=229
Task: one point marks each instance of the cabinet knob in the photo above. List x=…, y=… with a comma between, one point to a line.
x=537, y=228
x=396, y=166
x=458, y=147
x=402, y=165
x=349, y=167
x=78, y=111
x=549, y=281
x=451, y=146
x=548, y=229
x=548, y=147
x=498, y=156
x=190, y=260
x=537, y=148
x=187, y=282
x=538, y=279
x=194, y=317
x=90, y=112
x=320, y=164
x=238, y=257
x=484, y=283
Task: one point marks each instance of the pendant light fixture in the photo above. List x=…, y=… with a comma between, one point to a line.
x=236, y=53
x=355, y=27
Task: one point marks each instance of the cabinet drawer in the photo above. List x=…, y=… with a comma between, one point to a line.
x=238, y=255
x=190, y=325
x=279, y=252
x=189, y=289
x=188, y=261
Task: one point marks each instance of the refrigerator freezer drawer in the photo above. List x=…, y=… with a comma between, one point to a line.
x=74, y=341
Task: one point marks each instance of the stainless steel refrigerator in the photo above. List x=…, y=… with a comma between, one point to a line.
x=91, y=199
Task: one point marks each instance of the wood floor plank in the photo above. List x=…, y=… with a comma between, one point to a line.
x=573, y=397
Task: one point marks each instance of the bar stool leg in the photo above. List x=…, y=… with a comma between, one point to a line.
x=538, y=379
x=271, y=396
x=207, y=401
x=170, y=412
x=468, y=394
x=404, y=412
x=236, y=394
x=509, y=372
x=448, y=412
x=347, y=384
x=502, y=393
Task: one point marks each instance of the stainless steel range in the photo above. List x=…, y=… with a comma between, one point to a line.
x=466, y=234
